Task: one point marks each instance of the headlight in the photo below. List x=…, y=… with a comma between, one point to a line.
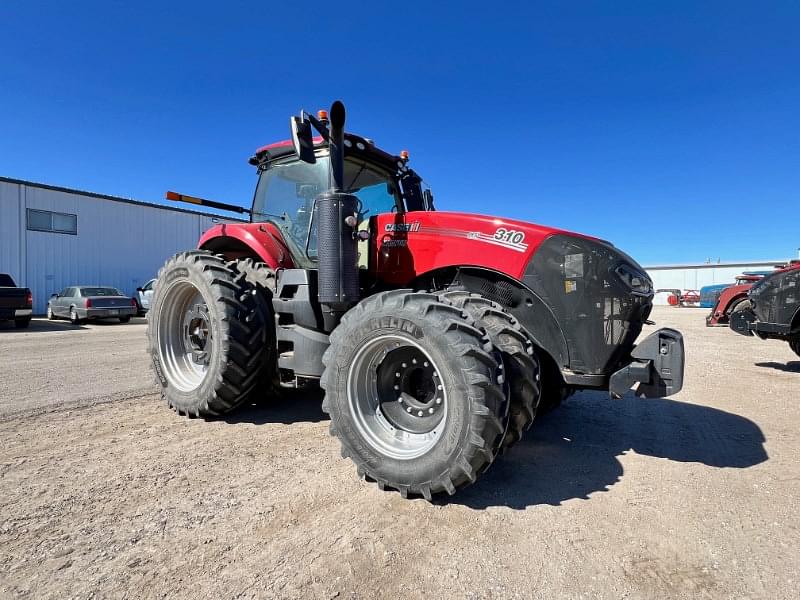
x=638, y=282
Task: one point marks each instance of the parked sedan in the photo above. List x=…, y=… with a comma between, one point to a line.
x=83, y=302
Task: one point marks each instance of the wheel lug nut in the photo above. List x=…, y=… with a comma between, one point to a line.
x=413, y=361
x=397, y=387
x=430, y=410
x=408, y=409
x=425, y=364
x=399, y=398
x=397, y=374
x=404, y=365
x=419, y=414
x=438, y=401
x=438, y=387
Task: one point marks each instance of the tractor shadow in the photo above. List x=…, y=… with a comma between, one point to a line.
x=294, y=406
x=789, y=367
x=572, y=452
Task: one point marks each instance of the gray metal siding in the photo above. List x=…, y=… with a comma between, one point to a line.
x=11, y=237
x=120, y=244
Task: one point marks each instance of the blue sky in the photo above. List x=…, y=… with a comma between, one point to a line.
x=671, y=128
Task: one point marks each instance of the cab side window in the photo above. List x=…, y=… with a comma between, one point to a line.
x=374, y=189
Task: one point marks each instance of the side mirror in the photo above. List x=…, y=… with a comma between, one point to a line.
x=427, y=199
x=302, y=139
x=54, y=295
x=139, y=289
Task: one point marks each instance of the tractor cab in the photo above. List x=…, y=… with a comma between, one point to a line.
x=288, y=188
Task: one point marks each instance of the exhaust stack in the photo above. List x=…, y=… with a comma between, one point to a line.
x=337, y=218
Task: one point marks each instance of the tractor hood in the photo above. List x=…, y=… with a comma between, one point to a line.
x=776, y=298
x=411, y=244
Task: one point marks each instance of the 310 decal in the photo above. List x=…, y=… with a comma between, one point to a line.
x=507, y=238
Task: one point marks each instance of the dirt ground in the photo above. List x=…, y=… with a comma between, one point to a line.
x=105, y=493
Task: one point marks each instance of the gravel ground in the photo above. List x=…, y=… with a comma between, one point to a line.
x=106, y=493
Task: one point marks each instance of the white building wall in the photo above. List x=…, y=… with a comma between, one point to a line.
x=118, y=244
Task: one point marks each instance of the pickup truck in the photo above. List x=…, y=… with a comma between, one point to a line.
x=16, y=303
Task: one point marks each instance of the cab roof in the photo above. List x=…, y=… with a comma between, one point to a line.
x=354, y=145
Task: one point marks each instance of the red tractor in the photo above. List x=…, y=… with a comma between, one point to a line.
x=436, y=336
x=732, y=299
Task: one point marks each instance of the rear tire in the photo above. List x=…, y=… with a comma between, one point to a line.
x=22, y=323
x=434, y=430
x=521, y=364
x=205, y=334
x=124, y=319
x=73, y=317
x=264, y=281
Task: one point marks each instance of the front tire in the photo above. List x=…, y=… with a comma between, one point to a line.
x=50, y=315
x=740, y=306
x=205, y=334
x=22, y=323
x=521, y=363
x=412, y=390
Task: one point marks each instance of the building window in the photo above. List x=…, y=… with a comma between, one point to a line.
x=44, y=220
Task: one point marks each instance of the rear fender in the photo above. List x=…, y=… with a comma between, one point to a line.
x=260, y=241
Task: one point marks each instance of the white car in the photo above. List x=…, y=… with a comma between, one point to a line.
x=144, y=295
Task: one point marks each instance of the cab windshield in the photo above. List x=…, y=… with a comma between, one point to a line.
x=286, y=192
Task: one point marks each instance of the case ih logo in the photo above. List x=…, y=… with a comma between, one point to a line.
x=402, y=227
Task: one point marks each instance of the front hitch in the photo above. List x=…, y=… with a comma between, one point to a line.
x=656, y=365
x=742, y=321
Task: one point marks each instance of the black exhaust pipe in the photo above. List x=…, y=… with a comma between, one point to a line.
x=337, y=214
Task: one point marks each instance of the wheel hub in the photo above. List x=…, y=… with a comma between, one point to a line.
x=409, y=390
x=396, y=396
x=195, y=333
x=186, y=343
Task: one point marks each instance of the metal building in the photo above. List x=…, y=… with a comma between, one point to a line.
x=695, y=276
x=52, y=237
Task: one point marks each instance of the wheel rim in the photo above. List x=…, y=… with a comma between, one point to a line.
x=49, y=313
x=73, y=315
x=185, y=343
x=396, y=397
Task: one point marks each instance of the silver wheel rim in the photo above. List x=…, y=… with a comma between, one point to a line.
x=396, y=397
x=185, y=343
x=73, y=316
x=49, y=313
